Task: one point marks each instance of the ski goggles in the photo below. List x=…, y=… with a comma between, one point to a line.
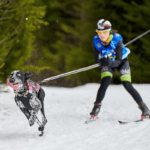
x=100, y=32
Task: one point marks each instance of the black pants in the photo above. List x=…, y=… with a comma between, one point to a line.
x=127, y=85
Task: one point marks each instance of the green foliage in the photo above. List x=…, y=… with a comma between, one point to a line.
x=59, y=37
x=1, y=67
x=18, y=22
x=66, y=44
x=139, y=18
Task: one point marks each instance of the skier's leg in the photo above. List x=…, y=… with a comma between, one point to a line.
x=136, y=96
x=100, y=95
x=41, y=96
x=133, y=92
x=102, y=90
x=106, y=75
x=126, y=81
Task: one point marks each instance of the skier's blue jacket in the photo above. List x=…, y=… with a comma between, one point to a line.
x=110, y=50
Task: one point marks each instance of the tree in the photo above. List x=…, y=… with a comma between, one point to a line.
x=18, y=21
x=66, y=43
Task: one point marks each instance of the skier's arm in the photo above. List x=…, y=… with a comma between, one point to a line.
x=96, y=54
x=118, y=51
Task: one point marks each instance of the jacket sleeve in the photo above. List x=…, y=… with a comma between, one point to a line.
x=96, y=54
x=118, y=59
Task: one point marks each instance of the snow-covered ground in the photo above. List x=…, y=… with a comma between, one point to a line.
x=66, y=110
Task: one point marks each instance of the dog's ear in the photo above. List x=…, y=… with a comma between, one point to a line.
x=28, y=75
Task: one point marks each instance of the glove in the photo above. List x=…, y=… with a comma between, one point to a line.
x=105, y=62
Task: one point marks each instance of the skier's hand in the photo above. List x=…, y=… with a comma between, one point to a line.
x=105, y=62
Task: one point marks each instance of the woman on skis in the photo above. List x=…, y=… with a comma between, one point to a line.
x=110, y=52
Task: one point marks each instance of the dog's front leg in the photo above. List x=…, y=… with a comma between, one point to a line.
x=26, y=112
x=44, y=120
x=22, y=108
x=36, y=106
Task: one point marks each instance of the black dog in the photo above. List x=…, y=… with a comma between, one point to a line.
x=29, y=96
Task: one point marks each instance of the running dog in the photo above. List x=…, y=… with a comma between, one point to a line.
x=29, y=96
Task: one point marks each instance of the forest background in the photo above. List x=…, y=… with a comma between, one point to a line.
x=50, y=37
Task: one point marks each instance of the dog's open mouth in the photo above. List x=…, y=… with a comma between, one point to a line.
x=15, y=86
x=15, y=83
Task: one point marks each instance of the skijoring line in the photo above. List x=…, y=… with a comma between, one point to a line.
x=89, y=67
x=69, y=73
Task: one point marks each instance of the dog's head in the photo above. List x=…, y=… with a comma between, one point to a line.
x=18, y=79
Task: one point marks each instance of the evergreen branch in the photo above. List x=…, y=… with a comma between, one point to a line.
x=16, y=30
x=7, y=5
x=11, y=40
x=10, y=52
x=11, y=2
x=2, y=65
x=75, y=14
x=9, y=10
x=4, y=18
x=3, y=15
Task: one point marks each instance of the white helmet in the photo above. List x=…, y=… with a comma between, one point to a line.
x=103, y=24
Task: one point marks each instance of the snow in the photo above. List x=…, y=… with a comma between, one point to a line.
x=66, y=110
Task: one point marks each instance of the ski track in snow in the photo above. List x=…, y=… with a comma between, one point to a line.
x=66, y=110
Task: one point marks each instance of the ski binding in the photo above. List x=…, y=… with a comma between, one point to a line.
x=91, y=119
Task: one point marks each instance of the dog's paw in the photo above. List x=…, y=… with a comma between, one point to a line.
x=41, y=128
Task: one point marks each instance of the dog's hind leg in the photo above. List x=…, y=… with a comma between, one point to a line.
x=44, y=120
x=41, y=96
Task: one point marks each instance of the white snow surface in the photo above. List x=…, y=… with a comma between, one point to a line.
x=66, y=110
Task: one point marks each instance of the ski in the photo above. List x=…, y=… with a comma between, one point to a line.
x=125, y=122
x=91, y=120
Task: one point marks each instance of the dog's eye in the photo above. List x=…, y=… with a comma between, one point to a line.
x=18, y=74
x=11, y=75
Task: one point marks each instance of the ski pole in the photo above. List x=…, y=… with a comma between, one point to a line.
x=86, y=68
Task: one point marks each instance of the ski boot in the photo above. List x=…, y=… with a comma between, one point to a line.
x=95, y=110
x=145, y=111
x=94, y=113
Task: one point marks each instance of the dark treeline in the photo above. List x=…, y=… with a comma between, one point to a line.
x=53, y=37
